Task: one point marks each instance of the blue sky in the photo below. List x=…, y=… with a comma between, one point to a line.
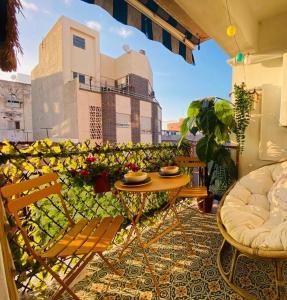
x=176, y=83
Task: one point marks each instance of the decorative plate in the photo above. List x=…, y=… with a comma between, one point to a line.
x=135, y=184
x=161, y=174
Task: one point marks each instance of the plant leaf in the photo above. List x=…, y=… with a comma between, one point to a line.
x=184, y=127
x=223, y=158
x=207, y=121
x=193, y=109
x=224, y=112
x=206, y=149
x=221, y=133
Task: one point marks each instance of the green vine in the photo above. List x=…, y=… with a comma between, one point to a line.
x=242, y=110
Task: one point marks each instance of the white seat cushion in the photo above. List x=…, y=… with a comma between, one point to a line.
x=254, y=212
x=258, y=181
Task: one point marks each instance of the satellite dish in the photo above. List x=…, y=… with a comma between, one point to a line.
x=126, y=48
x=13, y=77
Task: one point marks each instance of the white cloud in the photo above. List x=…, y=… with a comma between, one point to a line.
x=121, y=31
x=68, y=2
x=29, y=5
x=94, y=25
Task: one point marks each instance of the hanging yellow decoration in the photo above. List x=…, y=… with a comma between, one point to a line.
x=231, y=30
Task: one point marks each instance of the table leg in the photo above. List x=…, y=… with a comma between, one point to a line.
x=157, y=235
x=128, y=240
x=173, y=208
x=170, y=206
x=134, y=223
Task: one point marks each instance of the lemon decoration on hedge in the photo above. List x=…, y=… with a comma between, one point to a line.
x=231, y=30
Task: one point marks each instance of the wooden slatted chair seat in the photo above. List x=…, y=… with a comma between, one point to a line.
x=84, y=238
x=196, y=192
x=197, y=189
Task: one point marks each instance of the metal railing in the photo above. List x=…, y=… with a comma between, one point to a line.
x=118, y=86
x=20, y=161
x=45, y=219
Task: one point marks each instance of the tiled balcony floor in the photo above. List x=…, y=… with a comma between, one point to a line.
x=181, y=275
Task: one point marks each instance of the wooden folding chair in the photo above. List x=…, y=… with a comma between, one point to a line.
x=196, y=169
x=84, y=238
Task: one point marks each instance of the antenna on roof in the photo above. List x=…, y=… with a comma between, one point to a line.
x=126, y=48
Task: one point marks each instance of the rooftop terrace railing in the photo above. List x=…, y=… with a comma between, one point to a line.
x=20, y=162
x=119, y=86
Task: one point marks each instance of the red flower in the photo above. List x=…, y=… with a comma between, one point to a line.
x=104, y=173
x=73, y=172
x=85, y=173
x=132, y=167
x=90, y=159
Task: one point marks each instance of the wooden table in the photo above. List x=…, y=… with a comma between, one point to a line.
x=173, y=186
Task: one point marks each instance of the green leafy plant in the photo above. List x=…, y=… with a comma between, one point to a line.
x=242, y=108
x=214, y=119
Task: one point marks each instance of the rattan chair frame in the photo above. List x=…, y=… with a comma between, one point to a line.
x=276, y=257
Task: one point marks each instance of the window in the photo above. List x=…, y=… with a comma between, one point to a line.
x=13, y=101
x=79, y=42
x=12, y=125
x=145, y=124
x=123, y=120
x=82, y=77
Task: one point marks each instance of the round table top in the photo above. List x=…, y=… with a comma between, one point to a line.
x=157, y=184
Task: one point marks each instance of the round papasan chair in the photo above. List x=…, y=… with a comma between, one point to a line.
x=252, y=218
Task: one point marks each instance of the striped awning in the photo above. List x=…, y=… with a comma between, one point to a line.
x=154, y=22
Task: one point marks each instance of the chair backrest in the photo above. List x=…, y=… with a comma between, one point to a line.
x=23, y=194
x=35, y=189
x=189, y=162
x=194, y=167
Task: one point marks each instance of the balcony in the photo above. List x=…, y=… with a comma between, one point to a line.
x=130, y=85
x=181, y=272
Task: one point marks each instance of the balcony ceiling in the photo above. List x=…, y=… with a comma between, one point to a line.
x=261, y=24
x=266, y=9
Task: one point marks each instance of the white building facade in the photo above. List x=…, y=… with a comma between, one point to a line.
x=79, y=93
x=16, y=110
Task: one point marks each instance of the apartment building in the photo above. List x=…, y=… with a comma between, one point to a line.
x=16, y=109
x=79, y=93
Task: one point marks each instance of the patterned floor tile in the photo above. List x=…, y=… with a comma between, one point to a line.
x=182, y=272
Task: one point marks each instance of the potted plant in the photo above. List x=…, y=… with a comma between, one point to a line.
x=93, y=173
x=214, y=119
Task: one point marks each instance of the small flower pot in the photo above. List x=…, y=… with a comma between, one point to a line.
x=102, y=184
x=205, y=205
